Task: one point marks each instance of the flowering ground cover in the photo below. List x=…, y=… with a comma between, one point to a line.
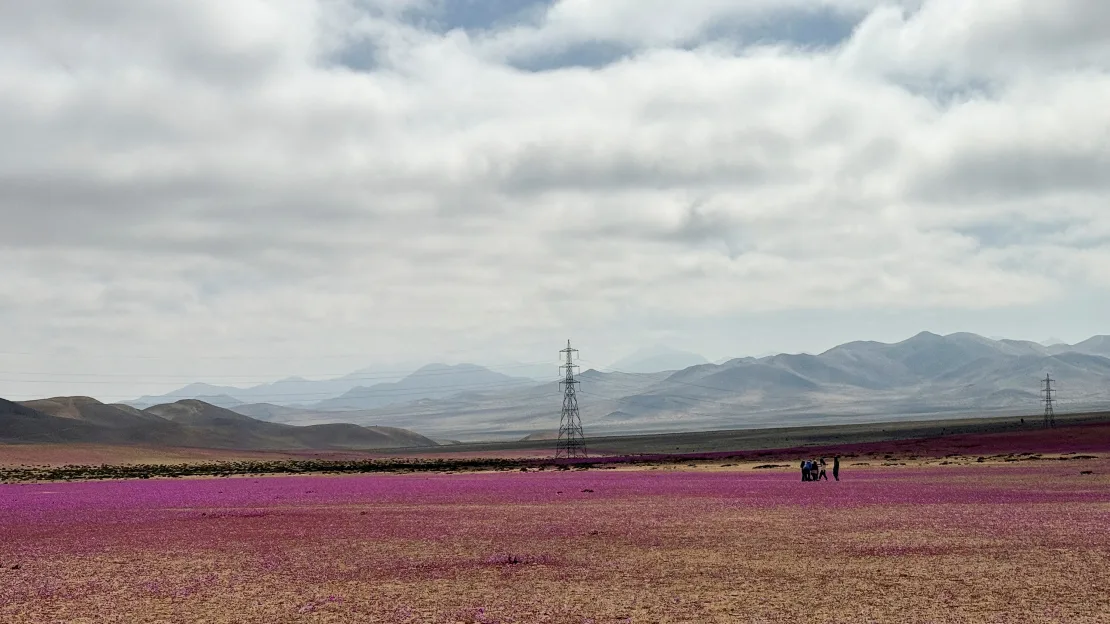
x=980, y=543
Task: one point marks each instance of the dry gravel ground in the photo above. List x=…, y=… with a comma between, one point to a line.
x=964, y=542
x=15, y=455
x=1077, y=432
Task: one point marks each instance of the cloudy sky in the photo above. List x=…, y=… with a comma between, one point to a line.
x=238, y=191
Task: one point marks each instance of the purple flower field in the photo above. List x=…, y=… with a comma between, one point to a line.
x=983, y=543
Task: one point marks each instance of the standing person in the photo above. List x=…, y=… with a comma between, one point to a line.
x=805, y=473
x=836, y=467
x=822, y=474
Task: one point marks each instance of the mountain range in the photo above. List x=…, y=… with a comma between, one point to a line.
x=351, y=392
x=376, y=387
x=288, y=391
x=432, y=381
x=185, y=423
x=925, y=376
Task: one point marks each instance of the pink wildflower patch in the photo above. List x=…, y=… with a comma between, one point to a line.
x=906, y=544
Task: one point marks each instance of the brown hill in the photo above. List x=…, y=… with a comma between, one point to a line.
x=188, y=423
x=19, y=423
x=90, y=410
x=233, y=430
x=198, y=413
x=354, y=436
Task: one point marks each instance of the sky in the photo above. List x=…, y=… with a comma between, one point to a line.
x=235, y=192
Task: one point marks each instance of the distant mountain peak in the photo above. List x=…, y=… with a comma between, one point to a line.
x=656, y=359
x=196, y=403
x=927, y=373
x=430, y=381
x=220, y=400
x=438, y=367
x=77, y=400
x=969, y=336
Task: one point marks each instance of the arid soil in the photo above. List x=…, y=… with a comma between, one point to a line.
x=96, y=454
x=996, y=541
x=832, y=436
x=1077, y=432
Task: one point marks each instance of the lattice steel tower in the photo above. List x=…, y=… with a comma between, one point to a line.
x=1048, y=391
x=572, y=442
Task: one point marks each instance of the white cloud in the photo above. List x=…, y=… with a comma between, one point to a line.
x=211, y=181
x=990, y=40
x=651, y=23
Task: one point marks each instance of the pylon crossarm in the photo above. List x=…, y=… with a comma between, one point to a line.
x=571, y=441
x=1049, y=410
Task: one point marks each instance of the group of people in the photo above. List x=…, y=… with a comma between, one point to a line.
x=814, y=470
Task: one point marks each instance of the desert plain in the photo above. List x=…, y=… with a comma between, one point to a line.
x=1007, y=526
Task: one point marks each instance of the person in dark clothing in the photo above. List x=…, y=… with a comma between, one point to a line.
x=805, y=472
x=836, y=468
x=821, y=474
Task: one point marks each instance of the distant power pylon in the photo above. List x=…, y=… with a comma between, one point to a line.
x=1048, y=391
x=572, y=442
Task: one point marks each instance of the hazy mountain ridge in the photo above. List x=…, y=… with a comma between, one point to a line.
x=926, y=374
x=288, y=391
x=498, y=412
x=431, y=381
x=352, y=392
x=346, y=393
x=1097, y=345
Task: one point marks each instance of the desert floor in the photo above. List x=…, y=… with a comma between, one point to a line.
x=1016, y=538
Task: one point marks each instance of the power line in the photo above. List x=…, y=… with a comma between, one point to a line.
x=413, y=392
x=177, y=357
x=389, y=392
x=460, y=388
x=119, y=356
x=692, y=400
x=270, y=380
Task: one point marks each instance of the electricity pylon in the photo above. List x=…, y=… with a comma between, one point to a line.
x=1048, y=391
x=572, y=442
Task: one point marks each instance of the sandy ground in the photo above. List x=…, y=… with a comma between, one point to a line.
x=12, y=455
x=983, y=436
x=747, y=440
x=916, y=541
